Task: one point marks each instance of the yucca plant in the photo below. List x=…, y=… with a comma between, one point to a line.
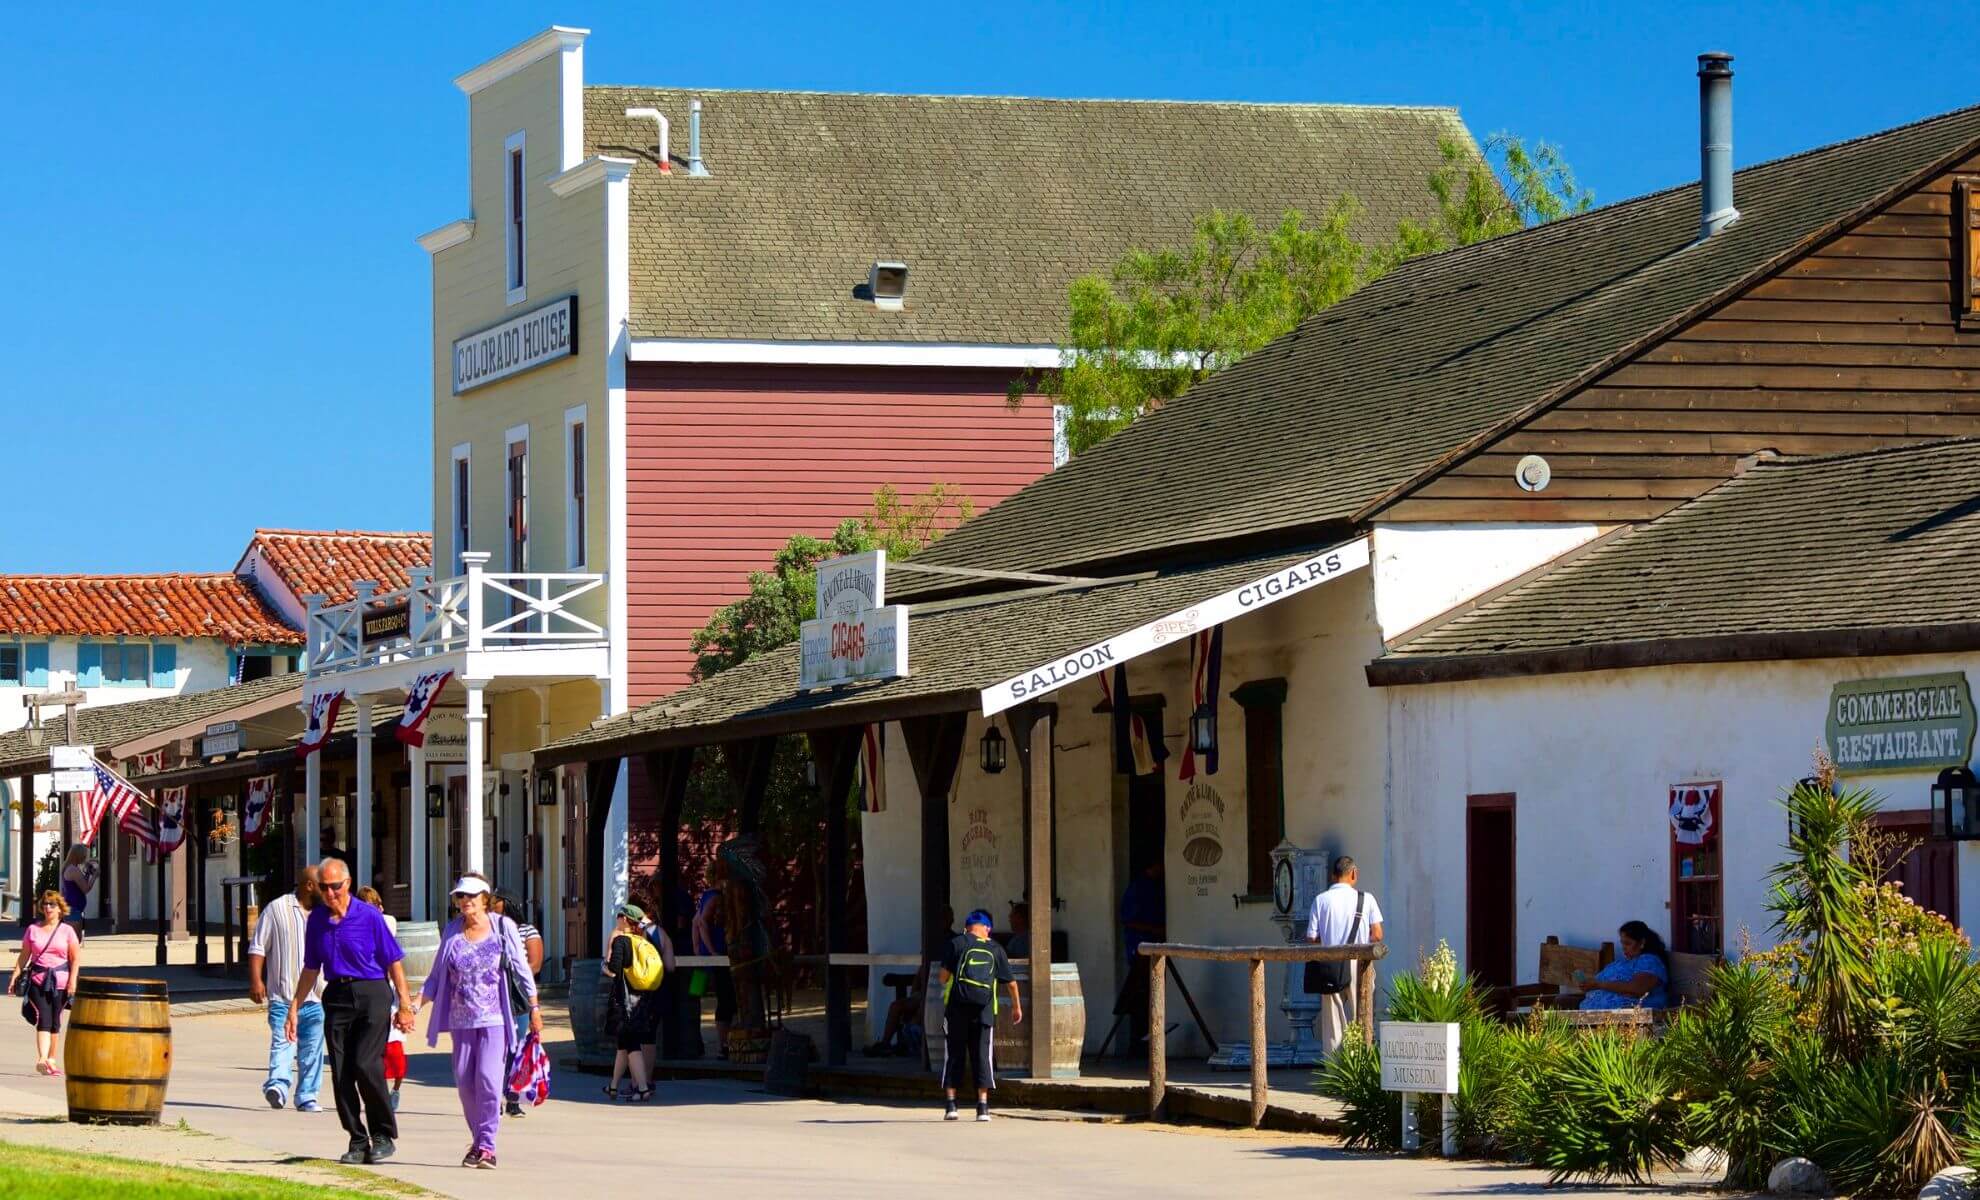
x=1372, y=1119
x=1612, y=1113
x=1819, y=900
x=1722, y=1057
x=1886, y=1130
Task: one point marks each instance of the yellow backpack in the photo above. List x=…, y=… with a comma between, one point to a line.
x=643, y=973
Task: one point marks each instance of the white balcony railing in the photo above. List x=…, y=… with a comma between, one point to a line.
x=481, y=610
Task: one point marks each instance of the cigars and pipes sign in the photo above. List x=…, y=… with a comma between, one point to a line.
x=980, y=857
x=1202, y=817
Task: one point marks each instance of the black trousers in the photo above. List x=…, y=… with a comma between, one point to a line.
x=357, y=1018
x=966, y=1039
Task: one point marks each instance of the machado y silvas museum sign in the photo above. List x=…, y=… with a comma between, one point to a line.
x=1911, y=723
x=857, y=635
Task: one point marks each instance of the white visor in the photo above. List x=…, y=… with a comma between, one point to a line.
x=467, y=886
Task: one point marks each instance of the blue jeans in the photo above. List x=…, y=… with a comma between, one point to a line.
x=306, y=1050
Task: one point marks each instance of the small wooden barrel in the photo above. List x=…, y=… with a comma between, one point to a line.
x=421, y=942
x=1011, y=1045
x=119, y=1051
x=587, y=1007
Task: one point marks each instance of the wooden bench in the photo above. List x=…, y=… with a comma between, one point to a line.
x=1558, y=963
x=1690, y=983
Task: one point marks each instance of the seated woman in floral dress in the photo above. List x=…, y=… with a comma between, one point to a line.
x=1636, y=980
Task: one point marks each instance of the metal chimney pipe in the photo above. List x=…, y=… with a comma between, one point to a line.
x=694, y=139
x=1715, y=143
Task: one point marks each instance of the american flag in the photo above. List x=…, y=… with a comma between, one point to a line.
x=113, y=793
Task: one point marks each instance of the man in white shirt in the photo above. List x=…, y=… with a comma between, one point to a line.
x=1343, y=915
x=275, y=959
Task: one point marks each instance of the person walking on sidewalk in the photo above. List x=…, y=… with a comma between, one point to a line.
x=1343, y=915
x=507, y=904
x=274, y=961
x=395, y=1041
x=478, y=973
x=78, y=881
x=345, y=942
x=972, y=969
x=631, y=1011
x=45, y=977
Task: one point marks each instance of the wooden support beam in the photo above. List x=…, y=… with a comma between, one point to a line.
x=1158, y=1033
x=1259, y=1085
x=25, y=877
x=1364, y=998
x=601, y=776
x=667, y=773
x=836, y=751
x=1033, y=723
x=934, y=746
x=749, y=765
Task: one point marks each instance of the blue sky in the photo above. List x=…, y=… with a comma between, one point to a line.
x=216, y=317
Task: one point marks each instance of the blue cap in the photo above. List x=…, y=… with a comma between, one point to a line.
x=980, y=917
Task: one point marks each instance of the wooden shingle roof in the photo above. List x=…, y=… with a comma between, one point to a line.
x=1815, y=557
x=1381, y=391
x=996, y=204
x=106, y=726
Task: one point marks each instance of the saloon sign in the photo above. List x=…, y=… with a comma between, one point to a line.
x=539, y=336
x=1910, y=723
x=856, y=634
x=1281, y=584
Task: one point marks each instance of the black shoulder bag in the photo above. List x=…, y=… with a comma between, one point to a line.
x=1332, y=978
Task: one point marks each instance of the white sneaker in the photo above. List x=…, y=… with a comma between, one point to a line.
x=982, y=1116
x=951, y=1114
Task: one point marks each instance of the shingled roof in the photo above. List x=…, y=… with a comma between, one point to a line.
x=333, y=561
x=1864, y=552
x=107, y=726
x=960, y=648
x=1383, y=389
x=172, y=605
x=995, y=203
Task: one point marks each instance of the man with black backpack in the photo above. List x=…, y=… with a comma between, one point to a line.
x=1343, y=915
x=972, y=968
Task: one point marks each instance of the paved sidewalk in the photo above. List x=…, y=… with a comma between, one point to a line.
x=714, y=1133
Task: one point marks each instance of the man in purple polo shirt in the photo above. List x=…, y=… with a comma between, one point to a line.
x=347, y=943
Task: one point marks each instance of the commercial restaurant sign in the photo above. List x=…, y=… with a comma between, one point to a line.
x=1909, y=723
x=857, y=635
x=521, y=343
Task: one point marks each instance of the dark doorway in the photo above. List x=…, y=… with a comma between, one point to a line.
x=1148, y=822
x=1929, y=870
x=1491, y=892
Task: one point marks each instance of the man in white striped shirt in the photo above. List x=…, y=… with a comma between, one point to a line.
x=274, y=957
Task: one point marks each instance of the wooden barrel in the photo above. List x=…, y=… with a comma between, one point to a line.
x=119, y=1051
x=421, y=941
x=1011, y=1045
x=587, y=1004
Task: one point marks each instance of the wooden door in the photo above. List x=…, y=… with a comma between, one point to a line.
x=1491, y=922
x=1929, y=872
x=570, y=783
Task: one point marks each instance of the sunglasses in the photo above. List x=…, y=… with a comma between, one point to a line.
x=333, y=887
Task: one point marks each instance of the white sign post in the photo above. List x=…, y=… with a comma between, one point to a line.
x=72, y=768
x=857, y=635
x=1421, y=1058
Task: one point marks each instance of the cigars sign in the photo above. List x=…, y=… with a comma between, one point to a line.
x=539, y=336
x=857, y=635
x=1283, y=583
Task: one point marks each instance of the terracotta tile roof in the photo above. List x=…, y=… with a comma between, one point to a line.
x=175, y=605
x=996, y=203
x=332, y=561
x=1845, y=545
x=1318, y=427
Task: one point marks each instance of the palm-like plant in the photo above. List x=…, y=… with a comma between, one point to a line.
x=1723, y=1057
x=1819, y=901
x=1613, y=1113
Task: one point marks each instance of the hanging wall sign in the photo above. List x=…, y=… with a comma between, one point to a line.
x=1203, y=837
x=1910, y=723
x=539, y=336
x=856, y=635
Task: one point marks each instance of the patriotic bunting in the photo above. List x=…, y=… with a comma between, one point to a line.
x=1206, y=670
x=322, y=719
x=150, y=762
x=171, y=817
x=255, y=807
x=872, y=770
x=111, y=793
x=420, y=699
x=1137, y=749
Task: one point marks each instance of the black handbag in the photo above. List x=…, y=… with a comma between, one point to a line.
x=1332, y=978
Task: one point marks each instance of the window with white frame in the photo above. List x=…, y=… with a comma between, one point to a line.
x=514, y=195
x=463, y=507
x=576, y=524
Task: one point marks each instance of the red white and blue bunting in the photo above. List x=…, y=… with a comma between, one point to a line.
x=255, y=809
x=322, y=713
x=420, y=699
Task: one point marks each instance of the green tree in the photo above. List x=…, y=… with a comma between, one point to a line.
x=1165, y=319
x=782, y=598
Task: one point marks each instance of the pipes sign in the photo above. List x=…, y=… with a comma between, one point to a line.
x=856, y=634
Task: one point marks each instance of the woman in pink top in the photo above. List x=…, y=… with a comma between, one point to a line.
x=45, y=977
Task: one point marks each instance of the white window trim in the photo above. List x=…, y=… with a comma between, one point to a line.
x=514, y=257
x=577, y=551
x=463, y=453
x=510, y=438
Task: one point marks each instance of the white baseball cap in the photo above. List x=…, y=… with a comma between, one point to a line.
x=468, y=885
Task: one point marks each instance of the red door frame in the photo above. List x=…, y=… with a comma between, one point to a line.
x=1508, y=803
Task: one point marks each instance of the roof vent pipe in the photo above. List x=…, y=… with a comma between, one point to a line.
x=655, y=115
x=694, y=139
x=1715, y=143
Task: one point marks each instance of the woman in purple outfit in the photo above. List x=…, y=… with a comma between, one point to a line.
x=480, y=959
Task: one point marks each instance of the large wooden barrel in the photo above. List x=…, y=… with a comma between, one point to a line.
x=119, y=1051
x=1011, y=1046
x=421, y=941
x=587, y=1004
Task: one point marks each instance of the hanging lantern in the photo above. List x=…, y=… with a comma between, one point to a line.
x=436, y=801
x=1203, y=729
x=1956, y=805
x=546, y=790
x=811, y=772
x=992, y=751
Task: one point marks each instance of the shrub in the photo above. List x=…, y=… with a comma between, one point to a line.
x=1609, y=1111
x=1885, y=1130
x=1721, y=1056
x=1373, y=1120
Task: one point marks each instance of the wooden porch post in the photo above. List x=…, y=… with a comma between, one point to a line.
x=1259, y=1080
x=26, y=866
x=667, y=777
x=601, y=776
x=1034, y=724
x=934, y=746
x=749, y=765
x=1158, y=1041
x=836, y=752
x=196, y=846
x=1364, y=1000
